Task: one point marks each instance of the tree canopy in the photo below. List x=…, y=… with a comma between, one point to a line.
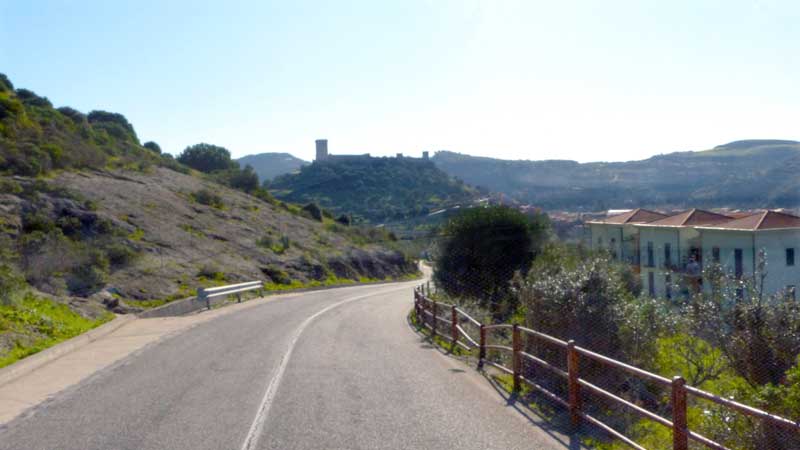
x=482, y=248
x=207, y=158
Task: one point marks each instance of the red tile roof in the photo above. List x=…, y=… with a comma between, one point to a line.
x=765, y=220
x=692, y=217
x=637, y=215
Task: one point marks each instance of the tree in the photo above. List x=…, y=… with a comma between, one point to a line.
x=245, y=179
x=152, y=146
x=207, y=158
x=480, y=251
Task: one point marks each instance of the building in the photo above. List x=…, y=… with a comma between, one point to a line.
x=670, y=251
x=322, y=149
x=323, y=154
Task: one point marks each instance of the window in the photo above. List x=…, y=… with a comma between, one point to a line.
x=650, y=259
x=738, y=262
x=715, y=254
x=651, y=284
x=789, y=256
x=667, y=254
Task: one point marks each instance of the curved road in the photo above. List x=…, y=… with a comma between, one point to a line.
x=336, y=369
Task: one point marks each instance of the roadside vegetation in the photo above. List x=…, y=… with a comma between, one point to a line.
x=734, y=340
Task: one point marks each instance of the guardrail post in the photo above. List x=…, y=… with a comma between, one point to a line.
x=516, y=362
x=239, y=298
x=201, y=295
x=434, y=320
x=454, y=325
x=573, y=371
x=482, y=348
x=680, y=431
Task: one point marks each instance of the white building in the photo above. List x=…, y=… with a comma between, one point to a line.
x=666, y=251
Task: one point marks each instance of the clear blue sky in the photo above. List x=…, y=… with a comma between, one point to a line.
x=586, y=80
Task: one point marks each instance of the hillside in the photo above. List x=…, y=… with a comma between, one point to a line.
x=271, y=165
x=754, y=173
x=374, y=189
x=90, y=219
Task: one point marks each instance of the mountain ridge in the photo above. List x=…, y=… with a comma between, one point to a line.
x=748, y=173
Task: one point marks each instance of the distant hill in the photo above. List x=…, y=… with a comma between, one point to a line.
x=270, y=165
x=751, y=173
x=374, y=189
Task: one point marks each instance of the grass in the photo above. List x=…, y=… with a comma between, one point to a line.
x=36, y=323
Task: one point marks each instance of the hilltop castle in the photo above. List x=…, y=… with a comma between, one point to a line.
x=323, y=155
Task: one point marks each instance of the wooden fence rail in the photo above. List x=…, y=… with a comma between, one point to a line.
x=427, y=312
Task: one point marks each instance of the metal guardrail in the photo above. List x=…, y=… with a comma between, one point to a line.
x=428, y=313
x=206, y=294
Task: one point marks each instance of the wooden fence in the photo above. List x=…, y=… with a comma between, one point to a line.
x=429, y=313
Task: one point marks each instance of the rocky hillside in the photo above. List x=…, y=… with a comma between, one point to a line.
x=87, y=212
x=754, y=173
x=271, y=165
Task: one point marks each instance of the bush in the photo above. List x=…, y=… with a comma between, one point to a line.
x=5, y=83
x=9, y=186
x=153, y=147
x=120, y=254
x=344, y=219
x=575, y=299
x=245, y=180
x=208, y=198
x=265, y=241
x=207, y=158
x=30, y=98
x=480, y=251
x=211, y=272
x=89, y=276
x=277, y=276
x=314, y=211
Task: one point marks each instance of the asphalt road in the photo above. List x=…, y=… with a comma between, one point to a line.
x=336, y=369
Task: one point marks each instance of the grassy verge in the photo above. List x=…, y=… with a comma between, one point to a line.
x=32, y=324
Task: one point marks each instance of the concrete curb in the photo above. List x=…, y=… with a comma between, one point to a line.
x=192, y=304
x=33, y=362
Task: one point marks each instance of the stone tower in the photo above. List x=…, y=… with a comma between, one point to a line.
x=425, y=155
x=322, y=149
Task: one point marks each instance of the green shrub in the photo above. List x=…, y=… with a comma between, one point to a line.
x=277, y=276
x=153, y=147
x=314, y=211
x=265, y=241
x=8, y=186
x=91, y=275
x=120, y=254
x=208, y=198
x=207, y=158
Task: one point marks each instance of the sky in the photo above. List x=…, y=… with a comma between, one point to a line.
x=609, y=80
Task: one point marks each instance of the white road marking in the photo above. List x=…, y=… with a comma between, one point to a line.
x=256, y=428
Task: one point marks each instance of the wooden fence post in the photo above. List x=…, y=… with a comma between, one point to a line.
x=482, y=348
x=680, y=431
x=429, y=288
x=454, y=325
x=434, y=320
x=516, y=362
x=573, y=371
